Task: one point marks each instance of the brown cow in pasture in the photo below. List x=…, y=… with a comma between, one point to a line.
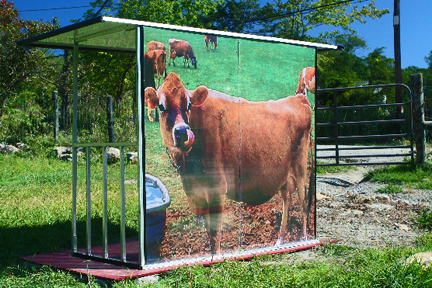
x=181, y=48
x=212, y=39
x=200, y=129
x=306, y=81
x=154, y=63
x=154, y=45
x=159, y=63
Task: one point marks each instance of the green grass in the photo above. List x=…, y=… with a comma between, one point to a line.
x=407, y=175
x=35, y=218
x=390, y=189
x=333, y=169
x=424, y=219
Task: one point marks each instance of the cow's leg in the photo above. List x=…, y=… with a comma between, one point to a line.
x=300, y=174
x=150, y=114
x=286, y=193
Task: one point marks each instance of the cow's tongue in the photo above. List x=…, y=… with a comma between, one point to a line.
x=191, y=139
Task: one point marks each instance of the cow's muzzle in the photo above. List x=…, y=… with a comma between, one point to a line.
x=183, y=137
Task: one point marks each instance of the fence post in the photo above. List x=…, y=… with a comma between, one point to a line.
x=418, y=117
x=56, y=114
x=336, y=119
x=109, y=108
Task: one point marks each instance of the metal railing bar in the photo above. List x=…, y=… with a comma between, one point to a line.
x=362, y=87
x=88, y=198
x=74, y=199
x=364, y=137
x=364, y=122
x=105, y=205
x=364, y=156
x=123, y=208
x=363, y=148
x=363, y=106
x=363, y=163
x=116, y=144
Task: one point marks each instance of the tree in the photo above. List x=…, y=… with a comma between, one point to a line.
x=18, y=63
x=293, y=19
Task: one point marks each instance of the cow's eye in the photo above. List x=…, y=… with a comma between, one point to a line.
x=189, y=105
x=161, y=107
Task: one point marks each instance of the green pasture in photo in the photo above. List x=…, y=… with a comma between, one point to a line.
x=251, y=69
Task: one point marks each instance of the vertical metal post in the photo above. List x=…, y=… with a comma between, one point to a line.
x=336, y=126
x=55, y=114
x=109, y=109
x=74, y=149
x=123, y=207
x=239, y=135
x=105, y=204
x=88, y=199
x=141, y=162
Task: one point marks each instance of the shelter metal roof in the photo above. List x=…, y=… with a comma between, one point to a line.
x=119, y=35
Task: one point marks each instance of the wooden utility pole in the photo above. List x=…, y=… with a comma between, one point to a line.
x=397, y=50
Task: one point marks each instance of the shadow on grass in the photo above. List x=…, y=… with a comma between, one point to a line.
x=24, y=241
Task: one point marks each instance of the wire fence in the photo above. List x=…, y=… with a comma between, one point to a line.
x=35, y=115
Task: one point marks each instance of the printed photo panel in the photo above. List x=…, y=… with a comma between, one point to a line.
x=228, y=131
x=277, y=150
x=212, y=65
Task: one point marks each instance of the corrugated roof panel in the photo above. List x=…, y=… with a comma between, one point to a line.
x=118, y=35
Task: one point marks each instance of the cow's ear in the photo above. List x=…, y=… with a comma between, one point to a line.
x=199, y=95
x=151, y=98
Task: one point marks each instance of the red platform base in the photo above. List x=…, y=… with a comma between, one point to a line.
x=64, y=260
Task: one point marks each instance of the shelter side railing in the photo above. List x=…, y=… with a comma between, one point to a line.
x=120, y=257
x=323, y=152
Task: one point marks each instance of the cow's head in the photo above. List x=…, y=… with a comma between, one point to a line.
x=193, y=58
x=175, y=103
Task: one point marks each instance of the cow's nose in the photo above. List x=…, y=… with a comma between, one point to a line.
x=180, y=134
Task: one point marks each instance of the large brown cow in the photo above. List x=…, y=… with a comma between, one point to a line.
x=306, y=81
x=200, y=129
x=181, y=48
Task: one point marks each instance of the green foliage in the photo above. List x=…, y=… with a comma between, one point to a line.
x=19, y=126
x=424, y=220
x=390, y=189
x=18, y=62
x=407, y=175
x=293, y=19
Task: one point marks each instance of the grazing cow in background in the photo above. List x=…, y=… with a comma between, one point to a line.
x=149, y=81
x=154, y=45
x=212, y=39
x=159, y=63
x=306, y=81
x=180, y=48
x=201, y=133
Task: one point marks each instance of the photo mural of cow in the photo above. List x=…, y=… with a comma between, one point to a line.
x=229, y=147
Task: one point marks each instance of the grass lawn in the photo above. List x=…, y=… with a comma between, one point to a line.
x=35, y=201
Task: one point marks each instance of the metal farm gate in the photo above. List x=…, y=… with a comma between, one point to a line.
x=347, y=154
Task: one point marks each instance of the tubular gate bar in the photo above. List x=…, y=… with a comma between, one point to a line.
x=336, y=124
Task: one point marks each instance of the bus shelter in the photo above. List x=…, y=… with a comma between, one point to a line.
x=232, y=155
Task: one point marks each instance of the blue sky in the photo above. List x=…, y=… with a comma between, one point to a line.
x=416, y=25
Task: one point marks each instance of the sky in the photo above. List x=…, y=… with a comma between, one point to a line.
x=415, y=24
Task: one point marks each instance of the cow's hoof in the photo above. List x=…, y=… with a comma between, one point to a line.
x=279, y=242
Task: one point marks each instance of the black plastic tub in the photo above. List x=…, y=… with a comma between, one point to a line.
x=157, y=201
